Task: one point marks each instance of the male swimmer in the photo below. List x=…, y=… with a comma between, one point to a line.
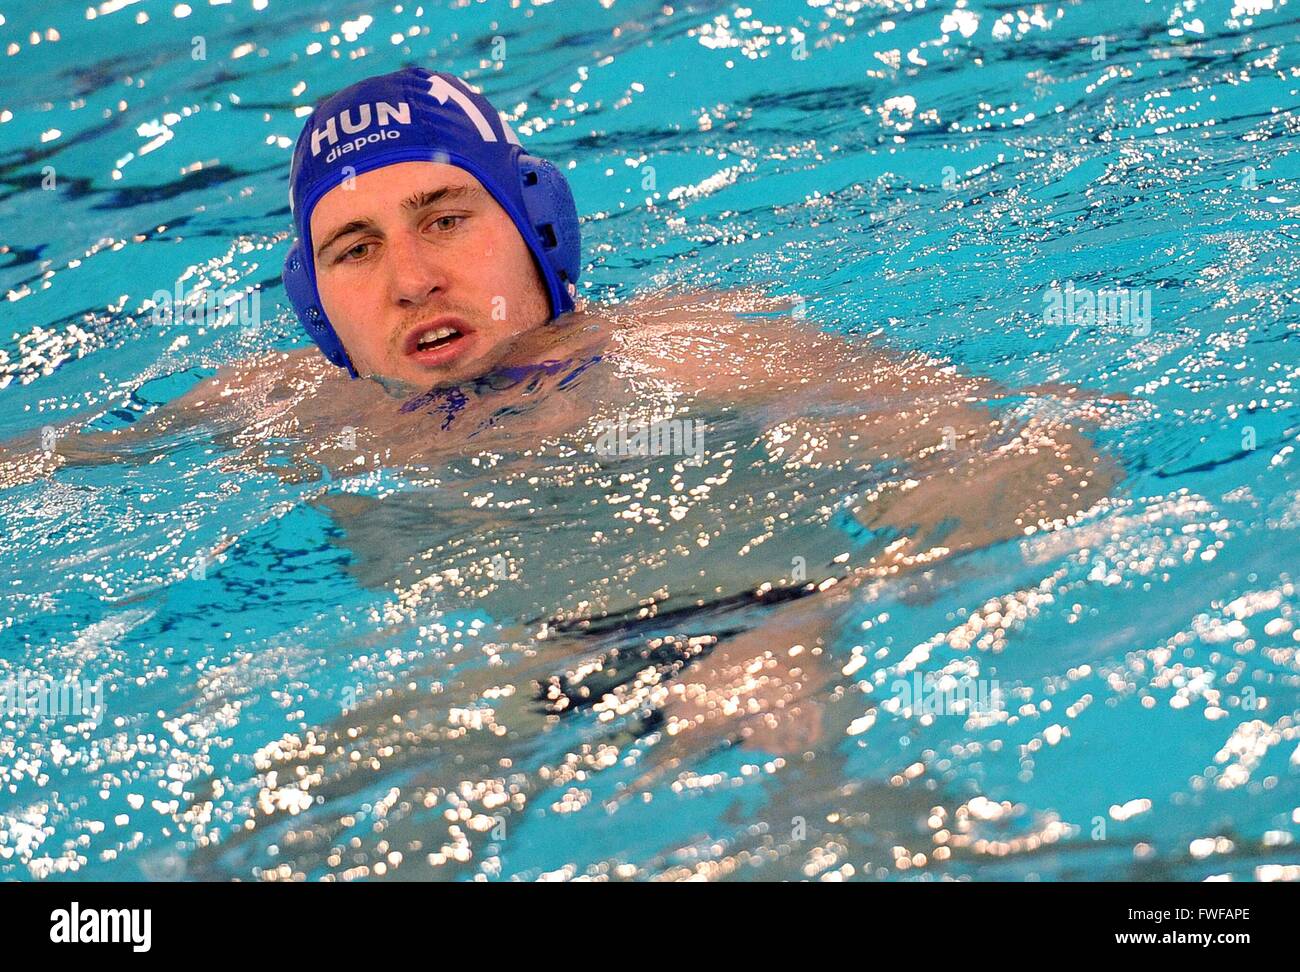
x=436, y=268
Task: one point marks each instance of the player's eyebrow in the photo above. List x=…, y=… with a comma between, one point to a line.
x=430, y=196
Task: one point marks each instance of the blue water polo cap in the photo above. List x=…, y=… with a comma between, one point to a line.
x=417, y=115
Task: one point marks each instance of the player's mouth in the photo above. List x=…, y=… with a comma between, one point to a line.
x=438, y=342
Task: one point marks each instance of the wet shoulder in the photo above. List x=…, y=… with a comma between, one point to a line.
x=741, y=346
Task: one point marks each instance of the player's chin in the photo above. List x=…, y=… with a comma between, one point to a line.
x=425, y=376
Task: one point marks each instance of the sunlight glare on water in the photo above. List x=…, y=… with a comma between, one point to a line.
x=530, y=661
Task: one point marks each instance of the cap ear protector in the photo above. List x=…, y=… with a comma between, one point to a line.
x=532, y=191
x=548, y=201
x=307, y=305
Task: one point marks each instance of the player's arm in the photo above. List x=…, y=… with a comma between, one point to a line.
x=967, y=476
x=232, y=390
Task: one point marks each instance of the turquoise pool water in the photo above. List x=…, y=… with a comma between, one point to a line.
x=930, y=176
